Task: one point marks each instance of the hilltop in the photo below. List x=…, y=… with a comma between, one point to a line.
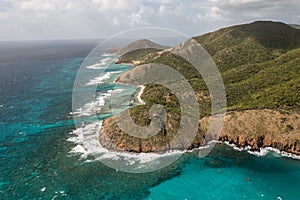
x=249, y=43
x=137, y=49
x=260, y=66
x=141, y=44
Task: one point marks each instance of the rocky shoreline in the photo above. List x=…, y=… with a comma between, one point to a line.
x=250, y=128
x=256, y=145
x=256, y=129
x=261, y=128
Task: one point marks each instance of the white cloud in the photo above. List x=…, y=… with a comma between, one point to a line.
x=213, y=13
x=50, y=19
x=35, y=19
x=162, y=9
x=163, y=1
x=35, y=5
x=249, y=10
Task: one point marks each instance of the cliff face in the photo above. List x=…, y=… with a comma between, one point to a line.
x=254, y=128
x=262, y=128
x=112, y=137
x=260, y=66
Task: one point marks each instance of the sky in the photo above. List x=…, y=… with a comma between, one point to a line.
x=84, y=19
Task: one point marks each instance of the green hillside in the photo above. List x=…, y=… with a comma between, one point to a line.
x=139, y=54
x=249, y=43
x=260, y=66
x=259, y=62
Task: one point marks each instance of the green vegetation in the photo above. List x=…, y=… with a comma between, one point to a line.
x=260, y=66
x=157, y=94
x=259, y=62
x=138, y=54
x=272, y=84
x=249, y=43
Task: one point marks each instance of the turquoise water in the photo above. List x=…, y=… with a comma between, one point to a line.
x=35, y=159
x=233, y=175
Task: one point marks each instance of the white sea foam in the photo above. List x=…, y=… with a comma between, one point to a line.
x=108, y=54
x=275, y=152
x=100, y=79
x=247, y=148
x=96, y=66
x=260, y=153
x=115, y=91
x=264, y=151
x=282, y=153
x=93, y=107
x=92, y=146
x=78, y=149
x=102, y=64
x=88, y=144
x=227, y=143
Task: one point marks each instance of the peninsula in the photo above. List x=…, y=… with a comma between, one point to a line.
x=260, y=65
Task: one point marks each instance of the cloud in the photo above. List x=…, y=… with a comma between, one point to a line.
x=35, y=19
x=276, y=9
x=162, y=2
x=35, y=5
x=53, y=19
x=214, y=13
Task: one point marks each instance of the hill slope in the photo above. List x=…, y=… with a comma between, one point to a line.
x=260, y=65
x=250, y=43
x=138, y=51
x=141, y=44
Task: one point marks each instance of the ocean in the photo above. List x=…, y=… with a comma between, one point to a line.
x=42, y=155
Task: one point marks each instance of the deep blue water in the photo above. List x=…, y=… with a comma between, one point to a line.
x=36, y=84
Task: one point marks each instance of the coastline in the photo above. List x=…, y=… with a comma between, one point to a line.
x=142, y=87
x=259, y=151
x=255, y=141
x=263, y=151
